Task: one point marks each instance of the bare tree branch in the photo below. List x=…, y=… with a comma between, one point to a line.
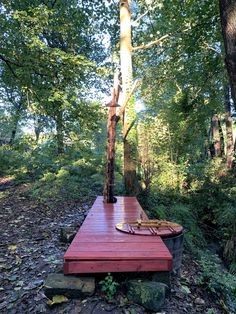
x=8, y=63
x=140, y=17
x=129, y=128
x=178, y=32
x=152, y=43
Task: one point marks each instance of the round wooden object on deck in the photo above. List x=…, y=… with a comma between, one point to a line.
x=161, y=228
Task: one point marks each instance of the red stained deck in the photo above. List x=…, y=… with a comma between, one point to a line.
x=99, y=248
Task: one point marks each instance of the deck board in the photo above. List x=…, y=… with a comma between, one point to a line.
x=100, y=247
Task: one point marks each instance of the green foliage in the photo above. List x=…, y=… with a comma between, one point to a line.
x=81, y=179
x=109, y=286
x=50, y=65
x=170, y=207
x=9, y=160
x=221, y=284
x=213, y=195
x=199, y=194
x=78, y=173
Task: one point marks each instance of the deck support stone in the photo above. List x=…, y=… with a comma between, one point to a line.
x=149, y=294
x=70, y=286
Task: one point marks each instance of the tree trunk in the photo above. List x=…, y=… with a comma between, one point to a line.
x=37, y=128
x=222, y=143
x=130, y=142
x=108, y=193
x=13, y=135
x=14, y=129
x=37, y=134
x=59, y=129
x=145, y=156
x=216, y=136
x=228, y=25
x=229, y=130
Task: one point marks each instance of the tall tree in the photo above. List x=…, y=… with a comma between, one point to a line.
x=14, y=100
x=229, y=129
x=216, y=136
x=228, y=25
x=183, y=57
x=129, y=132
x=48, y=49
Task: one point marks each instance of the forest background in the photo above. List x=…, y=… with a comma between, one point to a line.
x=57, y=61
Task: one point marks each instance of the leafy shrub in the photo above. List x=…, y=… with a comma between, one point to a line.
x=184, y=215
x=10, y=160
x=225, y=216
x=215, y=203
x=59, y=186
x=77, y=173
x=221, y=283
x=174, y=207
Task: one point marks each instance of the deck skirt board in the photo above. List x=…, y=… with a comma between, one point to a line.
x=99, y=247
x=79, y=267
x=115, y=256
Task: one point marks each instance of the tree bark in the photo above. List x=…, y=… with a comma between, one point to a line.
x=13, y=135
x=59, y=130
x=108, y=193
x=37, y=134
x=145, y=156
x=37, y=128
x=14, y=129
x=229, y=130
x=130, y=147
x=222, y=142
x=228, y=26
x=216, y=136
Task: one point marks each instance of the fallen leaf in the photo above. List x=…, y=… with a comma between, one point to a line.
x=37, y=283
x=185, y=289
x=18, y=260
x=20, y=283
x=14, y=296
x=57, y=299
x=13, y=278
x=12, y=247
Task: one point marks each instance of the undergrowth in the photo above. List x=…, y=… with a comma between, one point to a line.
x=217, y=280
x=79, y=173
x=205, y=204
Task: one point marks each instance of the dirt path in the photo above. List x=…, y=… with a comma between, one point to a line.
x=30, y=248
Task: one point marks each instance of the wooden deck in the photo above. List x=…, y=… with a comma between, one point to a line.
x=99, y=248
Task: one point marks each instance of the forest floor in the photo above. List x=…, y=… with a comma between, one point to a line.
x=30, y=249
